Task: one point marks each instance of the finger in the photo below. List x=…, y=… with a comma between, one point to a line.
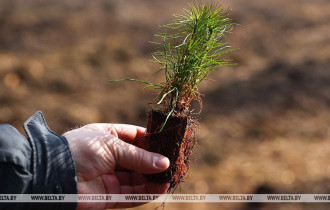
x=157, y=188
x=111, y=186
x=123, y=177
x=130, y=178
x=148, y=188
x=136, y=159
x=107, y=184
x=127, y=133
x=131, y=190
x=125, y=189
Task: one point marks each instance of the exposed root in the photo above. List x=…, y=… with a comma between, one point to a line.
x=175, y=141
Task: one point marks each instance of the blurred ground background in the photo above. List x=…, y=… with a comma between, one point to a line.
x=265, y=122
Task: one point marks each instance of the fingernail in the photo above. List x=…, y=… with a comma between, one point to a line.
x=161, y=162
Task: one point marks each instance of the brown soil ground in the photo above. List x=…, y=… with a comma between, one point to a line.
x=265, y=122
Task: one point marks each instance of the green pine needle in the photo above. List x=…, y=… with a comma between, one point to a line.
x=191, y=47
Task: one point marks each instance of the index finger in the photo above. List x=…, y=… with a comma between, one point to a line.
x=125, y=132
x=129, y=133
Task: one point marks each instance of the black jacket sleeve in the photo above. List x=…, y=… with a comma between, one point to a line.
x=39, y=164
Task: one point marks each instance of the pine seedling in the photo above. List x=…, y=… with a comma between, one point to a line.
x=190, y=48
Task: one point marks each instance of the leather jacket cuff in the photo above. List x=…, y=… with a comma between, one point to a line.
x=53, y=166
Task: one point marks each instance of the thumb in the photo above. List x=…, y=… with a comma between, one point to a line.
x=137, y=159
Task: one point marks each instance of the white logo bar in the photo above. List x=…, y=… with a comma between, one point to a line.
x=167, y=198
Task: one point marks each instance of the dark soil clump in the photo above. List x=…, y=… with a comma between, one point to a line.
x=175, y=141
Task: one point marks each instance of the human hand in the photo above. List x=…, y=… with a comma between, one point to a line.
x=106, y=163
